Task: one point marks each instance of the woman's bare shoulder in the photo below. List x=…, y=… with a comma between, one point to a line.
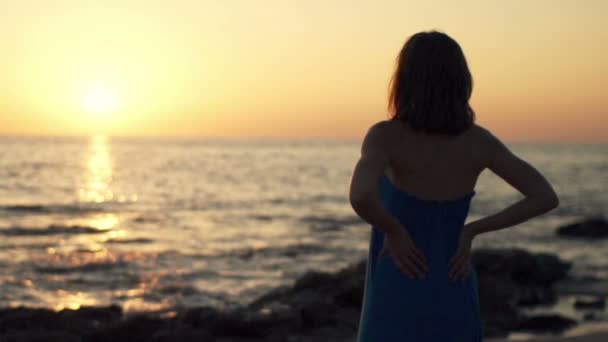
x=382, y=135
x=487, y=144
x=386, y=126
x=484, y=136
x=386, y=130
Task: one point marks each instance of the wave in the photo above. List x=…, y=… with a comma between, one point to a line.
x=52, y=208
x=50, y=230
x=103, y=266
x=290, y=251
x=330, y=222
x=128, y=241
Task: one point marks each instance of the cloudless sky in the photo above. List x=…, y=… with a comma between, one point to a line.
x=301, y=69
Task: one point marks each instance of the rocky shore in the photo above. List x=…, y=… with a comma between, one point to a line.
x=317, y=307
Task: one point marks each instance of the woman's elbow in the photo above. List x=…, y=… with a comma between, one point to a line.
x=549, y=201
x=358, y=201
x=544, y=201
x=553, y=201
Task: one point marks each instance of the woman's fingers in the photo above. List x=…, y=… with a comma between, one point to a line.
x=421, y=257
x=464, y=270
x=413, y=263
x=413, y=248
x=414, y=271
x=408, y=257
x=460, y=267
x=456, y=256
x=410, y=264
x=403, y=267
x=403, y=263
x=418, y=256
x=419, y=261
x=455, y=262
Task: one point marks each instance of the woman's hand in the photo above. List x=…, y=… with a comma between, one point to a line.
x=409, y=258
x=460, y=263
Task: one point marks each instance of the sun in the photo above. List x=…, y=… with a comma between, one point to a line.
x=100, y=100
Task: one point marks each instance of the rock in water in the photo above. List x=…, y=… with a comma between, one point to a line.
x=595, y=303
x=589, y=228
x=520, y=266
x=554, y=323
x=508, y=278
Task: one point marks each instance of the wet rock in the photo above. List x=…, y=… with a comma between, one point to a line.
x=198, y=317
x=515, y=277
x=96, y=315
x=264, y=321
x=544, y=323
x=594, y=303
x=243, y=323
x=39, y=336
x=28, y=319
x=65, y=325
x=136, y=328
x=521, y=266
x=595, y=227
x=511, y=278
x=76, y=321
x=589, y=316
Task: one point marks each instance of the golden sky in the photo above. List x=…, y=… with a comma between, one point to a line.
x=299, y=69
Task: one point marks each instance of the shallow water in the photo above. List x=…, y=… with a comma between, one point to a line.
x=160, y=223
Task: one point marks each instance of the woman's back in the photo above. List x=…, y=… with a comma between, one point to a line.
x=435, y=166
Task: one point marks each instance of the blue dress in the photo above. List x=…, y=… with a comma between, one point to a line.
x=397, y=308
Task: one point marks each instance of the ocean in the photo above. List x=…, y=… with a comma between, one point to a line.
x=157, y=224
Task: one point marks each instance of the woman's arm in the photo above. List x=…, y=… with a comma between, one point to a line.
x=539, y=198
x=539, y=194
x=365, y=199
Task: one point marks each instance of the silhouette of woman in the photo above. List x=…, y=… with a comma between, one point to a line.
x=414, y=184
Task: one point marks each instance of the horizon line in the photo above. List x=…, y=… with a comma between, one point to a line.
x=263, y=138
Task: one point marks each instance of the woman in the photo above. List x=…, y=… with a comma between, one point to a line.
x=414, y=183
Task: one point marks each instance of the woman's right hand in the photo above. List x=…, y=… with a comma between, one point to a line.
x=407, y=256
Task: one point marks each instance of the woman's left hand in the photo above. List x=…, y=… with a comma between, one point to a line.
x=460, y=263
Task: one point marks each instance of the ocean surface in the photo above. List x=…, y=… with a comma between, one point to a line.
x=157, y=224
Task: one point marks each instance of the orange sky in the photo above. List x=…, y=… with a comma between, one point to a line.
x=291, y=68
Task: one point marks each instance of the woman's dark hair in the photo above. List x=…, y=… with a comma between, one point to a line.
x=431, y=85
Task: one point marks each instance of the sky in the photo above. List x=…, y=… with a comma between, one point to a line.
x=291, y=69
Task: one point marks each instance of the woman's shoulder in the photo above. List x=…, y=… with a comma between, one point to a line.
x=484, y=135
x=388, y=128
x=389, y=131
x=384, y=129
x=486, y=143
x=384, y=125
x=382, y=135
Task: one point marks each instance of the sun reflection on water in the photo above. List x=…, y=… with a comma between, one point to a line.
x=103, y=221
x=72, y=300
x=99, y=166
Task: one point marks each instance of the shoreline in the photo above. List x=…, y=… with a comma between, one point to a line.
x=599, y=336
x=320, y=307
x=110, y=323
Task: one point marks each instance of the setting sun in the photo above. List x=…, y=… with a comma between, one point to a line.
x=100, y=101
